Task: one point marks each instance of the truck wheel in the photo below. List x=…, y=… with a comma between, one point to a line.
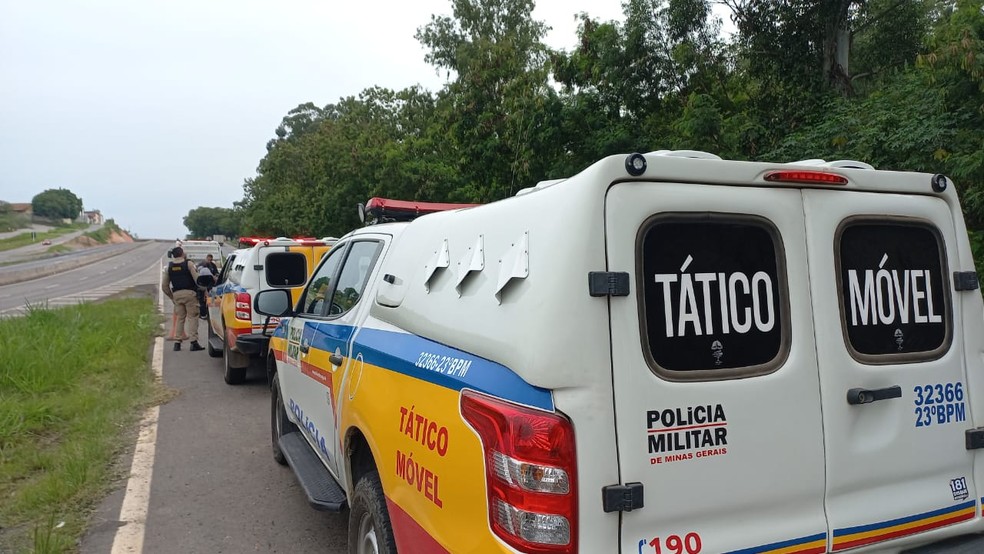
x=280, y=424
x=213, y=352
x=370, y=531
x=232, y=375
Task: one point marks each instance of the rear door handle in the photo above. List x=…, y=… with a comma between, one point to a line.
x=335, y=359
x=867, y=396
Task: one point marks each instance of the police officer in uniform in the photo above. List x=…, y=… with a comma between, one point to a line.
x=180, y=285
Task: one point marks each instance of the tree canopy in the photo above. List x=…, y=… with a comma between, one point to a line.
x=204, y=222
x=895, y=83
x=57, y=204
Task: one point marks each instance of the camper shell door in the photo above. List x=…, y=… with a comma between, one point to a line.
x=714, y=369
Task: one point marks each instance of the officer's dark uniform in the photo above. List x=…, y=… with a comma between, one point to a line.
x=179, y=285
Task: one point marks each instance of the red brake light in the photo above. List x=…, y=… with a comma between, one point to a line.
x=244, y=309
x=530, y=472
x=805, y=176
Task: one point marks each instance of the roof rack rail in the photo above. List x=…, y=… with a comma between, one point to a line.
x=385, y=210
x=540, y=186
x=700, y=154
x=847, y=164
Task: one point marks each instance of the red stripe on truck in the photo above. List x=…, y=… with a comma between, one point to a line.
x=409, y=535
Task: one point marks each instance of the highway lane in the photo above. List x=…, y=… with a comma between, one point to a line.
x=135, y=266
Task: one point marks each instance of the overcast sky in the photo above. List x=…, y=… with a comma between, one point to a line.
x=147, y=109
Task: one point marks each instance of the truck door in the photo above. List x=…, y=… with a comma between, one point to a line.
x=715, y=370
x=305, y=372
x=336, y=333
x=330, y=310
x=893, y=375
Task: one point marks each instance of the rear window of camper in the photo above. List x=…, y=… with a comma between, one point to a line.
x=285, y=269
x=713, y=296
x=894, y=290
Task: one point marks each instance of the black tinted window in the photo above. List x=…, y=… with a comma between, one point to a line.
x=355, y=273
x=315, y=296
x=893, y=289
x=712, y=293
x=285, y=269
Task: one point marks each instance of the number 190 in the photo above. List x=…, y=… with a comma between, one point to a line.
x=676, y=545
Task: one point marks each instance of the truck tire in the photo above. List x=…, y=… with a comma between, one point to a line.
x=232, y=375
x=370, y=531
x=280, y=424
x=212, y=352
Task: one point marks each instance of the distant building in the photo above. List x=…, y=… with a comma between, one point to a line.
x=22, y=208
x=93, y=217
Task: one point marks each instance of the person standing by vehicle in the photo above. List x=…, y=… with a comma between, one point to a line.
x=210, y=264
x=179, y=283
x=206, y=267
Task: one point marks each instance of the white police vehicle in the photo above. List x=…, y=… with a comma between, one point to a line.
x=666, y=353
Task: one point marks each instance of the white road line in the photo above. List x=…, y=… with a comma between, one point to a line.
x=52, y=286
x=133, y=514
x=129, y=537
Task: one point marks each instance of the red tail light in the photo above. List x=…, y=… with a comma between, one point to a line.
x=805, y=176
x=244, y=310
x=530, y=472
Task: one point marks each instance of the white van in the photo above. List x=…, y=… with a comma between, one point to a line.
x=666, y=353
x=196, y=250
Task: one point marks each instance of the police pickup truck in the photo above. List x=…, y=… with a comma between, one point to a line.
x=665, y=353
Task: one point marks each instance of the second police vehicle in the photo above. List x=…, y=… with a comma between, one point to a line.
x=235, y=332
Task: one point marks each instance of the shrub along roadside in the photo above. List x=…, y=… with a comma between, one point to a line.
x=73, y=382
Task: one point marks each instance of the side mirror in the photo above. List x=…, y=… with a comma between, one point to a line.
x=273, y=302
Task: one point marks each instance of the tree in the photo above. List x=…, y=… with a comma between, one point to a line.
x=57, y=204
x=205, y=222
x=498, y=108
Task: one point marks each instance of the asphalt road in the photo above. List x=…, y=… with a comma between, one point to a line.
x=215, y=486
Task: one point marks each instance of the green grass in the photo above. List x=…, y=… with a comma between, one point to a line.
x=72, y=383
x=24, y=239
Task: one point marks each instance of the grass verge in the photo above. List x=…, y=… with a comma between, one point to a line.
x=72, y=385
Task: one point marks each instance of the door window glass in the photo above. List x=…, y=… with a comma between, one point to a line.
x=712, y=296
x=352, y=279
x=225, y=269
x=285, y=269
x=315, y=297
x=894, y=291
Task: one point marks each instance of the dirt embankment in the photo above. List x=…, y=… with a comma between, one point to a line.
x=115, y=237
